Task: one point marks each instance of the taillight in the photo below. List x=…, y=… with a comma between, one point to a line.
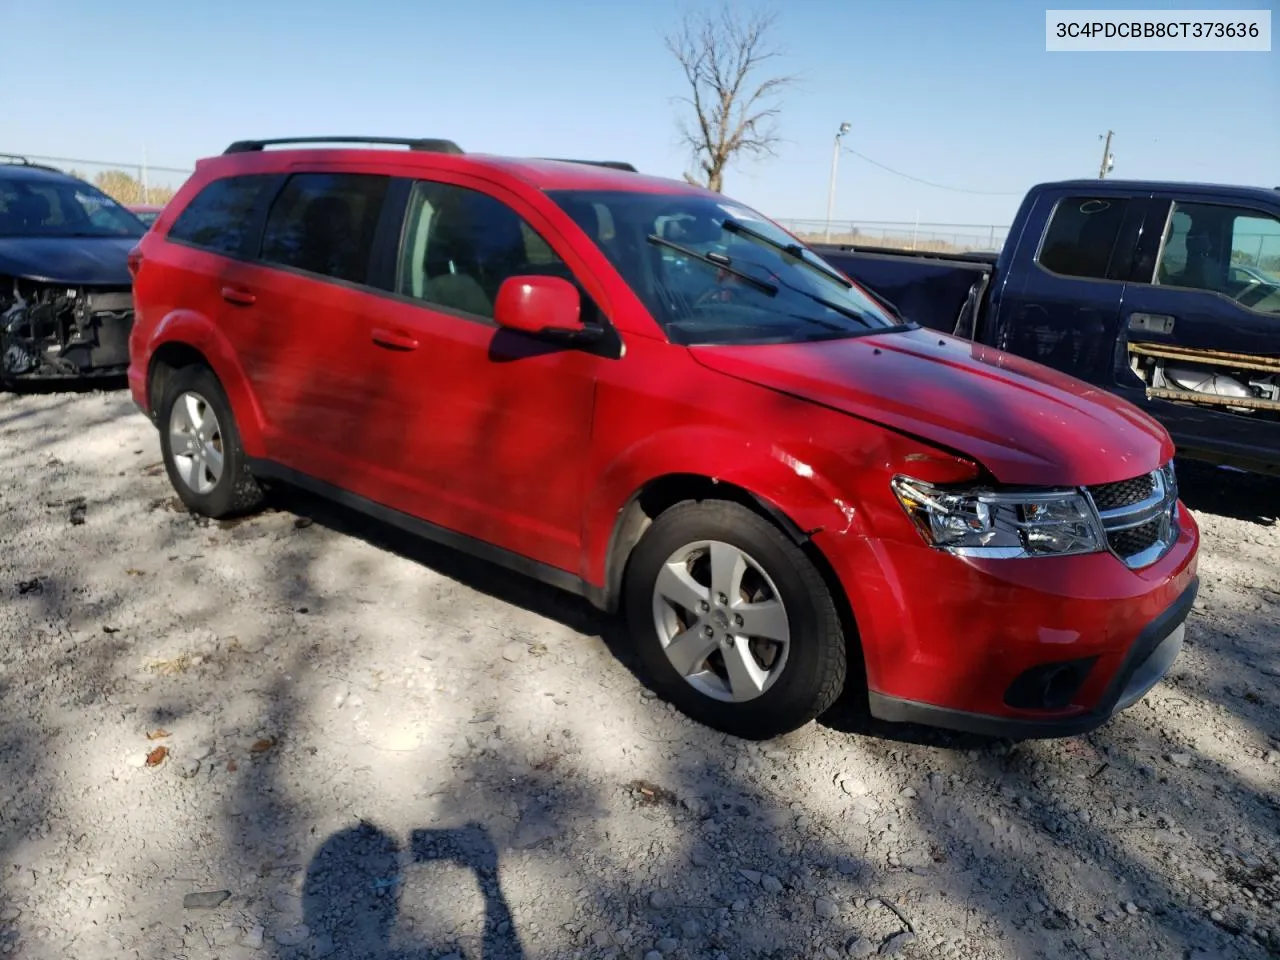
x=135, y=261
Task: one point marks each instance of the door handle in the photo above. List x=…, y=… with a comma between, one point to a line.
x=1151, y=322
x=239, y=297
x=393, y=340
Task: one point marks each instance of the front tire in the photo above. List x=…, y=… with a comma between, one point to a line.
x=733, y=623
x=201, y=446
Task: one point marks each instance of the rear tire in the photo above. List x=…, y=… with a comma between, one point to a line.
x=715, y=578
x=201, y=447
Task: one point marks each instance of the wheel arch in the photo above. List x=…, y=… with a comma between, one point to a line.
x=185, y=338
x=167, y=360
x=661, y=493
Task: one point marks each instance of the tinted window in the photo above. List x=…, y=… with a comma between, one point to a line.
x=325, y=223
x=1227, y=250
x=460, y=245
x=31, y=207
x=692, y=263
x=1082, y=235
x=217, y=217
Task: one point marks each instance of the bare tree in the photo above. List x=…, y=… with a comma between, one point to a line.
x=734, y=108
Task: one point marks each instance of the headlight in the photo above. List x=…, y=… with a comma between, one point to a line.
x=983, y=523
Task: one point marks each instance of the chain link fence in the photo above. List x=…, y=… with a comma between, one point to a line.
x=129, y=182
x=902, y=235
x=136, y=181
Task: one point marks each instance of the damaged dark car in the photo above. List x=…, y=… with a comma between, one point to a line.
x=66, y=301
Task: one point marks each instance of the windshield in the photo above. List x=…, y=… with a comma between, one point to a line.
x=61, y=208
x=713, y=271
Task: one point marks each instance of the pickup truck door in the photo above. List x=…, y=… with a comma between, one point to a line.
x=1191, y=291
x=1066, y=281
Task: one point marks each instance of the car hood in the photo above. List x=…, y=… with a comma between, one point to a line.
x=1026, y=423
x=92, y=261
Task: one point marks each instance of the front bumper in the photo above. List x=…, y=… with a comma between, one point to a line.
x=1147, y=662
x=1025, y=648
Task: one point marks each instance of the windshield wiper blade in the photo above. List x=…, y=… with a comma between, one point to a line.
x=791, y=249
x=717, y=260
x=839, y=308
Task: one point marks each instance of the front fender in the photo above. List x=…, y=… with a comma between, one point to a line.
x=797, y=485
x=191, y=329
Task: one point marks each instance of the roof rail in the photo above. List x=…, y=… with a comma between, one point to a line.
x=425, y=144
x=612, y=164
x=19, y=160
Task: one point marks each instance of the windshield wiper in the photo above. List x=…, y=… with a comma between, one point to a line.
x=718, y=260
x=791, y=249
x=839, y=308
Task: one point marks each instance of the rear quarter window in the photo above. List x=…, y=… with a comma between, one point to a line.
x=218, y=217
x=1081, y=236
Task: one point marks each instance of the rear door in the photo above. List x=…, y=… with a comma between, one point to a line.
x=1061, y=305
x=1208, y=280
x=310, y=297
x=205, y=264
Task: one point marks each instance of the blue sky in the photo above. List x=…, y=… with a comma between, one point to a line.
x=960, y=93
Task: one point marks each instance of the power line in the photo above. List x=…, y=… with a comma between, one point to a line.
x=930, y=183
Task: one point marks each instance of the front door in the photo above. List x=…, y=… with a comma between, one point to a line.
x=1212, y=283
x=1062, y=307
x=487, y=431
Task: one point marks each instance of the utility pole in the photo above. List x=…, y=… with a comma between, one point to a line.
x=1108, y=161
x=831, y=189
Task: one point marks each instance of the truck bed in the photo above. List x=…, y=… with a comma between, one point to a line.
x=941, y=291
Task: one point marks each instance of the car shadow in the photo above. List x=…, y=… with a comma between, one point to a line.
x=1251, y=497
x=849, y=715
x=481, y=575
x=97, y=384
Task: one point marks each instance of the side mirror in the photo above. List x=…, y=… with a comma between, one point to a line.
x=539, y=305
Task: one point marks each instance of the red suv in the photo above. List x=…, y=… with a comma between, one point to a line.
x=645, y=393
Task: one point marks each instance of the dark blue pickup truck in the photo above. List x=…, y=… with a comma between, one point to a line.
x=1167, y=294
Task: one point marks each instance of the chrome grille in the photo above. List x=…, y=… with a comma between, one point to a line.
x=1139, y=515
x=1125, y=493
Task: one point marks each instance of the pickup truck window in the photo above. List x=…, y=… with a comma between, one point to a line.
x=1232, y=251
x=706, y=282
x=1081, y=235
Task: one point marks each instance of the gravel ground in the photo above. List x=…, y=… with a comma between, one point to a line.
x=302, y=735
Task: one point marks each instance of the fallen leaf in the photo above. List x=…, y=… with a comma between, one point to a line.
x=262, y=746
x=159, y=734
x=652, y=793
x=232, y=766
x=156, y=756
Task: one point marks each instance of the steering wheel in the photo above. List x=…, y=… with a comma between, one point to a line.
x=1249, y=287
x=716, y=295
